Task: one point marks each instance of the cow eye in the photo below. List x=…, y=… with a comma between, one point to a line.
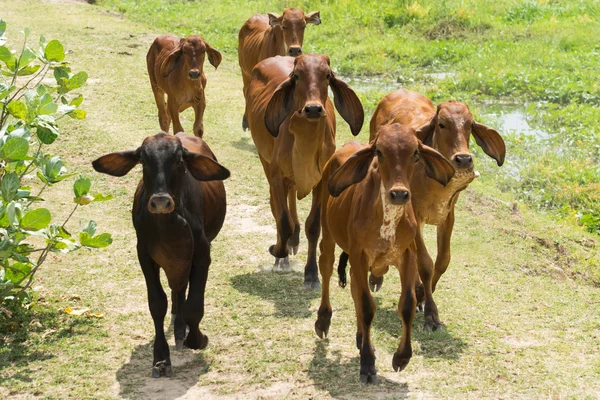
x=416, y=156
x=379, y=154
x=441, y=126
x=295, y=77
x=328, y=76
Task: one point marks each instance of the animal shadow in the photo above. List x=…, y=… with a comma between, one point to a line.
x=341, y=378
x=286, y=291
x=438, y=344
x=245, y=144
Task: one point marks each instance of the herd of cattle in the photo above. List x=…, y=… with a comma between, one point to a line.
x=372, y=200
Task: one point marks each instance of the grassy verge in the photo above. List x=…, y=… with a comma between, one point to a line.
x=519, y=301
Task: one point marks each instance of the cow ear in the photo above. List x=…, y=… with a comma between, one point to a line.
x=436, y=165
x=313, y=18
x=117, y=164
x=214, y=57
x=274, y=19
x=425, y=132
x=490, y=141
x=204, y=168
x=171, y=60
x=347, y=103
x=280, y=105
x=352, y=171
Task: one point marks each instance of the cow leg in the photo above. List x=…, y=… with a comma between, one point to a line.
x=283, y=219
x=313, y=230
x=164, y=119
x=173, y=108
x=326, y=260
x=199, y=116
x=179, y=324
x=157, y=302
x=444, y=235
x=406, y=308
x=294, y=241
x=194, y=305
x=246, y=78
x=365, y=312
x=425, y=265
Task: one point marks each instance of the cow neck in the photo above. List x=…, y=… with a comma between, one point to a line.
x=275, y=41
x=308, y=144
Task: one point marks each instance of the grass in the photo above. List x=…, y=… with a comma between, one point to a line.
x=519, y=302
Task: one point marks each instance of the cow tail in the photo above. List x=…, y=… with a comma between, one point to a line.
x=342, y=269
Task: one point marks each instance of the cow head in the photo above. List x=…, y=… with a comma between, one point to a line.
x=189, y=55
x=396, y=150
x=165, y=162
x=306, y=91
x=291, y=25
x=449, y=132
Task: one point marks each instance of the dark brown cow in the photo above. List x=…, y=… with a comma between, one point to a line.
x=178, y=209
x=448, y=130
x=292, y=122
x=367, y=211
x=175, y=66
x=263, y=36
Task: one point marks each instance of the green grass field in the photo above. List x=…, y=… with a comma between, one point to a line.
x=520, y=301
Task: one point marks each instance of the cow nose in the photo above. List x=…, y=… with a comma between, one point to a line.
x=463, y=160
x=295, y=51
x=194, y=74
x=399, y=197
x=161, y=203
x=313, y=110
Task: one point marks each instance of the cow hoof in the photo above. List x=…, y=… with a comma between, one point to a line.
x=293, y=250
x=399, y=362
x=421, y=307
x=172, y=324
x=369, y=377
x=179, y=344
x=375, y=283
x=321, y=333
x=432, y=326
x=312, y=285
x=168, y=371
x=155, y=372
x=161, y=369
x=285, y=264
x=201, y=345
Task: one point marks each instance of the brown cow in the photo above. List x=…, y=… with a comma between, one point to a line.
x=263, y=36
x=175, y=66
x=178, y=209
x=292, y=122
x=448, y=130
x=367, y=211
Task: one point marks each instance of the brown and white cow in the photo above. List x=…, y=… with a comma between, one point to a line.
x=292, y=122
x=176, y=68
x=447, y=129
x=367, y=211
x=178, y=209
x=263, y=36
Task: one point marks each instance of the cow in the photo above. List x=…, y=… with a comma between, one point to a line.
x=292, y=122
x=367, y=211
x=178, y=209
x=175, y=67
x=448, y=130
x=263, y=36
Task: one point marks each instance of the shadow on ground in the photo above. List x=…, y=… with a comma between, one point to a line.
x=340, y=376
x=285, y=290
x=135, y=381
x=244, y=143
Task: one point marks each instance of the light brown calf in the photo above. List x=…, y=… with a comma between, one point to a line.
x=448, y=130
x=263, y=36
x=367, y=211
x=175, y=66
x=292, y=122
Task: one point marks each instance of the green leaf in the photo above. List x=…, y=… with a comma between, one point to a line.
x=36, y=219
x=26, y=32
x=17, y=272
x=6, y=55
x=101, y=197
x=97, y=242
x=54, y=51
x=15, y=149
x=61, y=73
x=10, y=186
x=27, y=56
x=77, y=114
x=76, y=101
x=90, y=228
x=81, y=187
x=28, y=70
x=17, y=109
x=77, y=80
x=48, y=109
x=46, y=131
x=2, y=27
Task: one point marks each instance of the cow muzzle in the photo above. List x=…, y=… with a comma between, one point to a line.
x=295, y=51
x=161, y=203
x=463, y=160
x=313, y=111
x=399, y=197
x=194, y=74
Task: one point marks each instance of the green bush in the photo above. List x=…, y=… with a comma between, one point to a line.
x=30, y=109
